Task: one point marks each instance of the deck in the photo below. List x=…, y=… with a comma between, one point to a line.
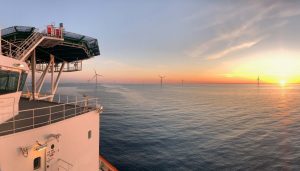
x=34, y=114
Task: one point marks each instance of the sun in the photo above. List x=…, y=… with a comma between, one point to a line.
x=282, y=83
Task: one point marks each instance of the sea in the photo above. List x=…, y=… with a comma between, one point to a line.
x=197, y=127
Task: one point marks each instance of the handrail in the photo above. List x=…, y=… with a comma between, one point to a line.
x=105, y=165
x=22, y=50
x=54, y=105
x=9, y=48
x=28, y=43
x=36, y=117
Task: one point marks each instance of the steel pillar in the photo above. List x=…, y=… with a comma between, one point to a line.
x=57, y=80
x=33, y=68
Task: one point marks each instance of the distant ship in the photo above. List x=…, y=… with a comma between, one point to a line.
x=45, y=131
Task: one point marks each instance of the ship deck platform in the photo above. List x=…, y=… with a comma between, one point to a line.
x=34, y=114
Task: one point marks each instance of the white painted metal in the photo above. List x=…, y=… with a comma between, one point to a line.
x=33, y=69
x=42, y=77
x=74, y=145
x=52, y=74
x=9, y=103
x=74, y=150
x=57, y=79
x=79, y=107
x=52, y=155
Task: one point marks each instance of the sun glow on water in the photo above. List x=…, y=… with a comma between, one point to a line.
x=282, y=83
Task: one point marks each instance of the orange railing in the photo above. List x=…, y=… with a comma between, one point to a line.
x=105, y=165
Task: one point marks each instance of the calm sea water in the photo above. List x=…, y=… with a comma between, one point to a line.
x=198, y=127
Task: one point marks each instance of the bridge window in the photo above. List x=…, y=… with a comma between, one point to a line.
x=23, y=80
x=8, y=81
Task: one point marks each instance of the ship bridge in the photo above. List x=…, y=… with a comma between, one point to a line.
x=47, y=51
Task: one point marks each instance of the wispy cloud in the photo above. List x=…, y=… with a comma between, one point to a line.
x=231, y=49
x=242, y=28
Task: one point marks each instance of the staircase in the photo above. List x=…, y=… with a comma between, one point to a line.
x=26, y=47
x=8, y=48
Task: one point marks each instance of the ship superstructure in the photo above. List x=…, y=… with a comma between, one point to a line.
x=43, y=131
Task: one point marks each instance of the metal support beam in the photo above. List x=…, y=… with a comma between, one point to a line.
x=52, y=75
x=43, y=76
x=57, y=79
x=33, y=68
x=41, y=79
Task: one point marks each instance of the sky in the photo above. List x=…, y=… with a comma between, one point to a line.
x=198, y=41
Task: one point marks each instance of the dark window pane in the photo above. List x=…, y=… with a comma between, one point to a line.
x=23, y=80
x=8, y=81
x=3, y=81
x=13, y=79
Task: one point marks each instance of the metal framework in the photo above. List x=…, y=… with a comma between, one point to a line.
x=47, y=52
x=37, y=85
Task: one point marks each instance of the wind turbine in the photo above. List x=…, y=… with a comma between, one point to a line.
x=161, y=80
x=258, y=81
x=96, y=77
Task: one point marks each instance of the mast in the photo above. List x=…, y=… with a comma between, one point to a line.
x=161, y=80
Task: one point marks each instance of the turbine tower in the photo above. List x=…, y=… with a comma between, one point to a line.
x=161, y=80
x=96, y=77
x=258, y=81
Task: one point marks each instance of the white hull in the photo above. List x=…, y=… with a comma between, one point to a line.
x=73, y=149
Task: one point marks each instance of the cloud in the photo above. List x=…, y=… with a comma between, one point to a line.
x=237, y=30
x=244, y=45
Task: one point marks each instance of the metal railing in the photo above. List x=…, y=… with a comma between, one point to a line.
x=8, y=48
x=104, y=165
x=28, y=44
x=62, y=109
x=22, y=49
x=68, y=67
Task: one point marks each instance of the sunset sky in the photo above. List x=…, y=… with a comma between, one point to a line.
x=197, y=41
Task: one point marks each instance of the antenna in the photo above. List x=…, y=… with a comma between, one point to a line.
x=161, y=80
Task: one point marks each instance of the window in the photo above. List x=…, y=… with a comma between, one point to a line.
x=8, y=81
x=37, y=163
x=23, y=80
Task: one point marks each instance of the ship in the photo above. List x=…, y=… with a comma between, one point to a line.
x=41, y=130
